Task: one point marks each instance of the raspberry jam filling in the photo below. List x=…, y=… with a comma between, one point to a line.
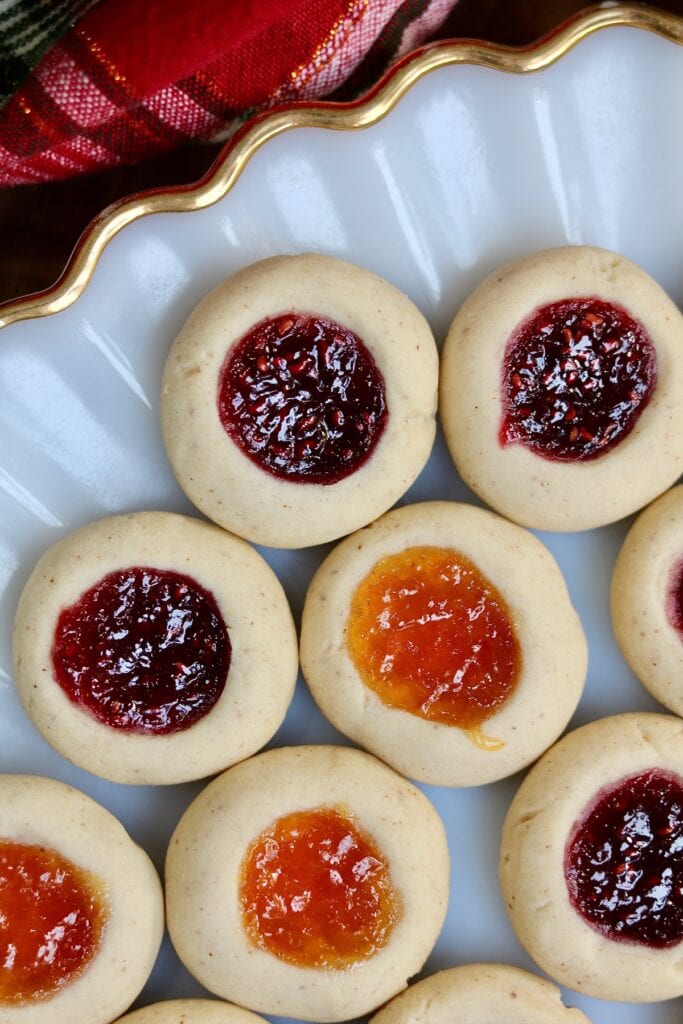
x=431, y=635
x=144, y=650
x=674, y=598
x=576, y=376
x=52, y=916
x=624, y=861
x=316, y=891
x=303, y=398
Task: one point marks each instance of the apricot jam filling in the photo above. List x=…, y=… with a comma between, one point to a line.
x=624, y=861
x=431, y=635
x=144, y=650
x=303, y=398
x=52, y=916
x=576, y=377
x=316, y=891
x=674, y=598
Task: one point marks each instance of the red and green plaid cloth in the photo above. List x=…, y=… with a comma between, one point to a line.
x=86, y=85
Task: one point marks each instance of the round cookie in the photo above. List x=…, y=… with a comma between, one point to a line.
x=192, y=1011
x=193, y=648
x=480, y=994
x=240, y=841
x=521, y=715
x=523, y=362
x=71, y=880
x=647, y=599
x=324, y=429
x=591, y=862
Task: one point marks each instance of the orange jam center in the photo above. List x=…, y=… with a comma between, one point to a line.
x=51, y=919
x=430, y=634
x=315, y=890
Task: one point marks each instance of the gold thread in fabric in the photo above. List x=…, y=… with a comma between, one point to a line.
x=99, y=55
x=330, y=45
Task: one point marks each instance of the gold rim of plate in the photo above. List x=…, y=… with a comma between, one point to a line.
x=236, y=154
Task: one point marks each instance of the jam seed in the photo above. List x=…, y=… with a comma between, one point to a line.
x=302, y=449
x=308, y=422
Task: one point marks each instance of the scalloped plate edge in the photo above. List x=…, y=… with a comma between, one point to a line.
x=382, y=99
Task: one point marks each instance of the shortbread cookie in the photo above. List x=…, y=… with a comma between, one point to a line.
x=592, y=859
x=299, y=399
x=647, y=599
x=562, y=389
x=296, y=883
x=480, y=994
x=442, y=638
x=154, y=648
x=192, y=1011
x=81, y=908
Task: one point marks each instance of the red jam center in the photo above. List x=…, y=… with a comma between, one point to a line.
x=303, y=398
x=52, y=916
x=144, y=650
x=674, y=598
x=315, y=891
x=430, y=634
x=624, y=861
x=576, y=376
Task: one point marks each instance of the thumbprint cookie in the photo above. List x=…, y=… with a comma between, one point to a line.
x=592, y=859
x=562, y=389
x=307, y=882
x=442, y=638
x=647, y=599
x=81, y=907
x=154, y=648
x=480, y=994
x=299, y=400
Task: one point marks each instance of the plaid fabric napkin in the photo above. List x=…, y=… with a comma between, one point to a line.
x=130, y=79
x=27, y=30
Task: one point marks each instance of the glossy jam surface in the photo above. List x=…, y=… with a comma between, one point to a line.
x=674, y=597
x=144, y=650
x=430, y=634
x=316, y=891
x=576, y=376
x=52, y=916
x=303, y=398
x=624, y=861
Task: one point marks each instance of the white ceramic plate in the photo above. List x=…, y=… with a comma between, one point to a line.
x=471, y=168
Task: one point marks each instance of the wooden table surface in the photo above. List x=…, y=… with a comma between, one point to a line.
x=39, y=224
